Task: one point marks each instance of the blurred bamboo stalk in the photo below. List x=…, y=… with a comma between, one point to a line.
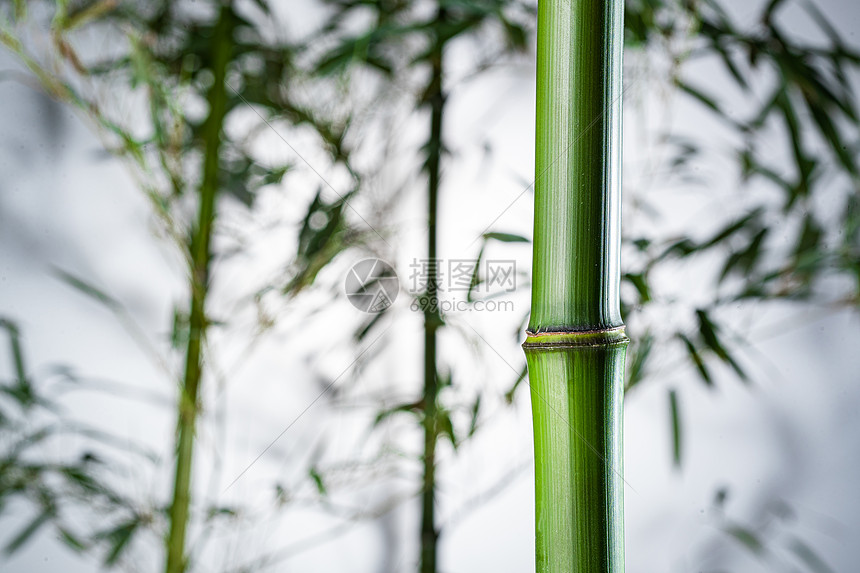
x=576, y=343
x=200, y=258
x=435, y=98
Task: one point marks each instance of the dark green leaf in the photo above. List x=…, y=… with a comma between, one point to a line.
x=697, y=360
x=118, y=539
x=708, y=331
x=71, y=540
x=699, y=95
x=809, y=557
x=476, y=410
x=213, y=512
x=29, y=530
x=22, y=391
x=87, y=289
x=318, y=481
x=810, y=237
x=746, y=538
x=179, y=331
x=640, y=282
x=744, y=261
x=744, y=222
x=509, y=395
x=410, y=407
x=445, y=427
x=506, y=237
x=476, y=276
x=638, y=354
x=675, y=420
x=368, y=325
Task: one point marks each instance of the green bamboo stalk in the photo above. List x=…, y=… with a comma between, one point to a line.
x=576, y=344
x=201, y=256
x=432, y=319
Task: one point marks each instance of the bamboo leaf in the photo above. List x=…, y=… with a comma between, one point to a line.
x=509, y=395
x=638, y=353
x=118, y=539
x=515, y=34
x=28, y=531
x=282, y=496
x=476, y=410
x=675, y=420
x=410, y=407
x=445, y=427
x=20, y=10
x=88, y=484
x=476, y=280
x=318, y=481
x=721, y=496
x=320, y=240
x=216, y=511
x=697, y=94
x=730, y=65
x=88, y=289
x=770, y=10
x=708, y=332
x=368, y=325
x=681, y=248
x=697, y=360
x=506, y=237
x=834, y=139
x=640, y=283
x=180, y=329
x=733, y=228
x=810, y=237
x=744, y=261
x=809, y=557
x=71, y=540
x=22, y=391
x=87, y=12
x=746, y=538
x=802, y=160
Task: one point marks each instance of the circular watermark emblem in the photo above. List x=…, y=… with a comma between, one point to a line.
x=371, y=285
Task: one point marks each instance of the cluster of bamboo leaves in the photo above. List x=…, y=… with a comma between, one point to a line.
x=403, y=37
x=185, y=59
x=60, y=489
x=186, y=68
x=803, y=104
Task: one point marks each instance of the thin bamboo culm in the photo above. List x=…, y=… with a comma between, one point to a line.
x=432, y=320
x=200, y=259
x=576, y=343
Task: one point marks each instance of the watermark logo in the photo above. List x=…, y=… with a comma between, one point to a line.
x=371, y=285
x=492, y=276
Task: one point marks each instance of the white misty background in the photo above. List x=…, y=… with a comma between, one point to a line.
x=792, y=436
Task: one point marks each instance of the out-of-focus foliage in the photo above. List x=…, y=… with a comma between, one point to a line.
x=796, y=239
x=405, y=44
x=401, y=41
x=54, y=491
x=771, y=537
x=798, y=242
x=142, y=73
x=160, y=56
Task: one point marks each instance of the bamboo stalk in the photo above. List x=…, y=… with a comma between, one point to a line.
x=576, y=344
x=432, y=319
x=201, y=256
